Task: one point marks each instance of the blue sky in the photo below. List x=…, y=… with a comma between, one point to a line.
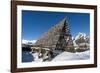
x=35, y=23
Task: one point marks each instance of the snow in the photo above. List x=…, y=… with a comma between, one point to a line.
x=59, y=56
x=36, y=58
x=80, y=35
x=28, y=41
x=64, y=56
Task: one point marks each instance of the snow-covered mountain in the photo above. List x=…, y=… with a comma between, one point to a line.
x=28, y=41
x=81, y=53
x=80, y=35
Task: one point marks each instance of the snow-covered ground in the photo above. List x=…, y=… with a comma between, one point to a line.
x=64, y=56
x=36, y=59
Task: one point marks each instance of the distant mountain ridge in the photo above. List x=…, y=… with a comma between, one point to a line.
x=81, y=35
x=78, y=36
x=28, y=41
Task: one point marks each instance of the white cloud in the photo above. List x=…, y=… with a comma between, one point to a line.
x=28, y=41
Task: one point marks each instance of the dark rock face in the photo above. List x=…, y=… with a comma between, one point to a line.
x=56, y=36
x=56, y=40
